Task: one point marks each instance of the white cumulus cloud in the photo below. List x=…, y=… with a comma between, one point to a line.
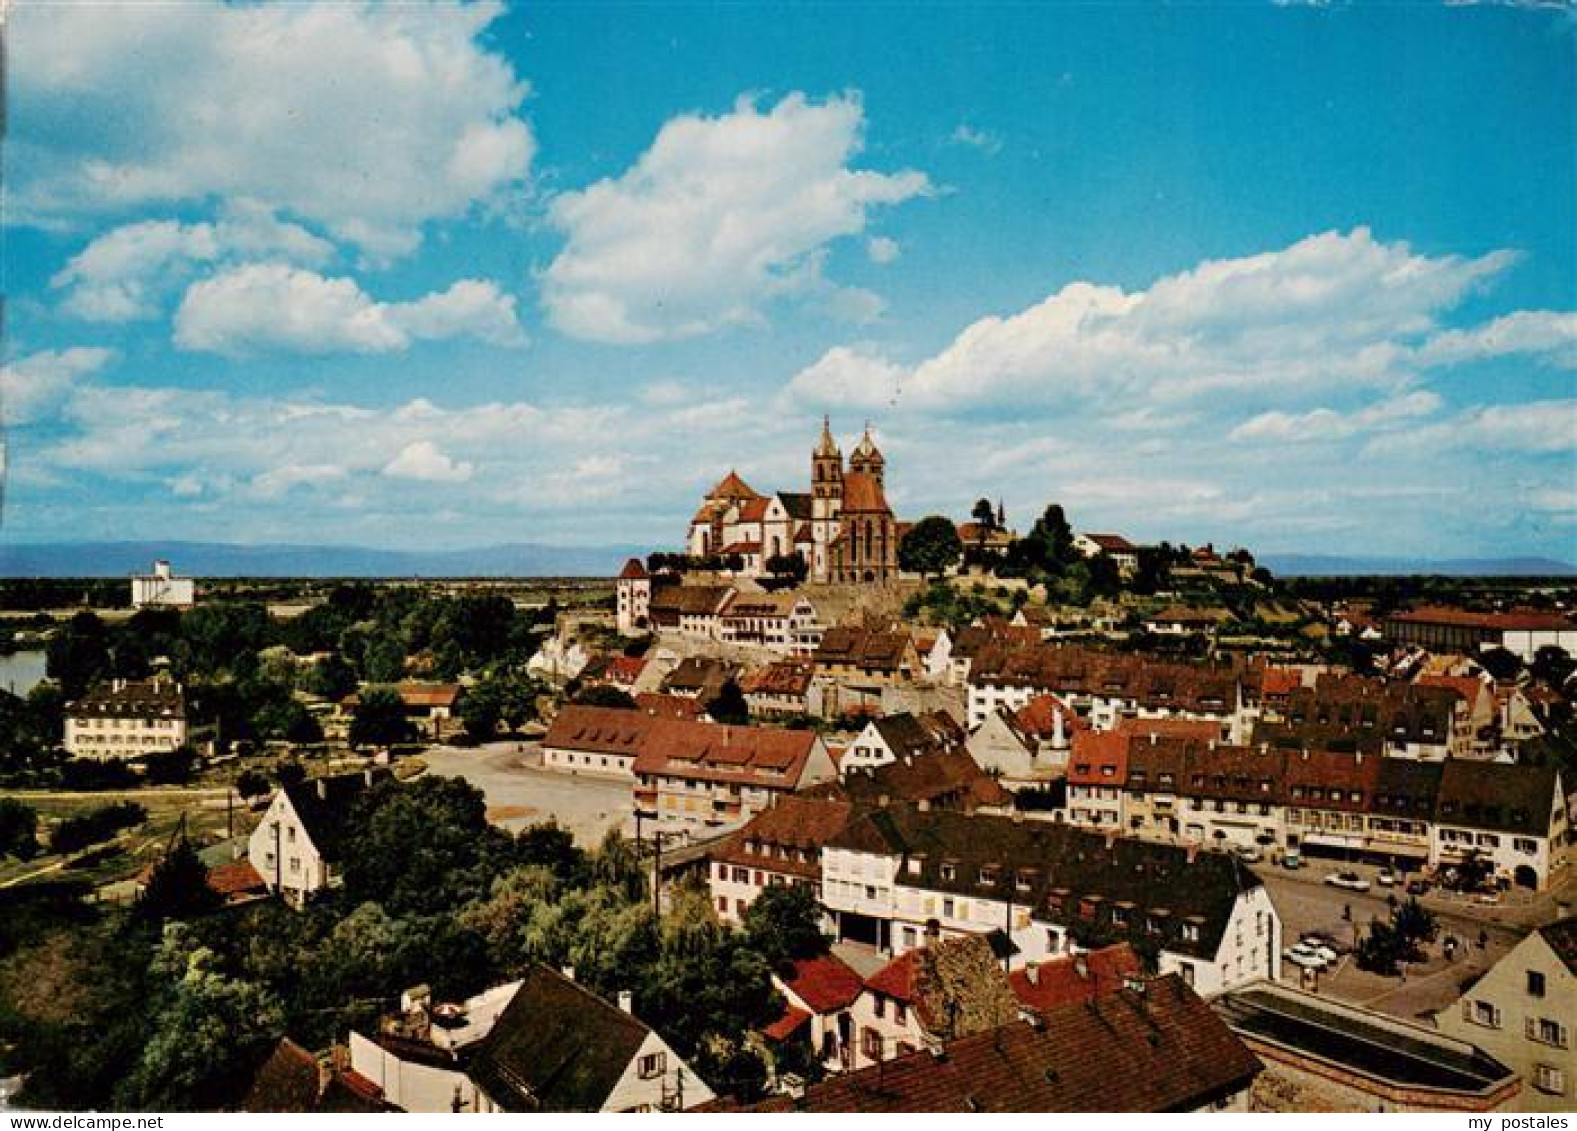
x=32, y=385
x=423, y=460
x=123, y=274
x=260, y=307
x=1335, y=310
x=719, y=217
x=367, y=119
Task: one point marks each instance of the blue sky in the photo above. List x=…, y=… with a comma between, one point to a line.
x=1301, y=277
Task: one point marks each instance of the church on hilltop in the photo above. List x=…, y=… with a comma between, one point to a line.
x=842, y=527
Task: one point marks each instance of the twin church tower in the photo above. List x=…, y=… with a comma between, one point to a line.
x=843, y=527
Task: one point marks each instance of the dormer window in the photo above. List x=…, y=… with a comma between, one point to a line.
x=949, y=872
x=989, y=875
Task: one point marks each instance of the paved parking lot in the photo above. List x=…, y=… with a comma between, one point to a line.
x=520, y=792
x=1307, y=904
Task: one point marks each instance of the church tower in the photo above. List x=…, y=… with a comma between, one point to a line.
x=867, y=459
x=826, y=484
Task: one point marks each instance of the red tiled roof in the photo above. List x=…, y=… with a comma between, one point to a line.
x=1112, y=543
x=1099, y=758
x=1465, y=686
x=429, y=694
x=1201, y=729
x=598, y=730
x=826, y=984
x=669, y=706
x=766, y=756
x=1038, y=717
x=238, y=878
x=1075, y=978
x=863, y=494
x=754, y=510
x=632, y=569
x=626, y=669
x=1161, y=1050
x=1280, y=681
x=897, y=978
x=742, y=548
x=787, y=1025
x=731, y=487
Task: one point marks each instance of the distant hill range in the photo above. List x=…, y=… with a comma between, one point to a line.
x=220, y=559
x=1326, y=565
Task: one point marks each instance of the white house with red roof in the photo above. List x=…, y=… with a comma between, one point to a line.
x=818, y=996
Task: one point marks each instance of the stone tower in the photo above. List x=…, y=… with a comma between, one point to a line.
x=867, y=459
x=826, y=484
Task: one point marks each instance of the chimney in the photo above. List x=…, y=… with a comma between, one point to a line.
x=1193, y=851
x=323, y=789
x=366, y=777
x=882, y=801
x=627, y=1002
x=1111, y=839
x=568, y=972
x=924, y=804
x=1152, y=738
x=1018, y=816
x=1081, y=965
x=1212, y=744
x=1032, y=974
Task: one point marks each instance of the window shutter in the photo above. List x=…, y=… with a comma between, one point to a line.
x=1531, y=1029
x=1467, y=1010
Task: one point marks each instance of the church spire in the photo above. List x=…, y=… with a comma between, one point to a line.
x=827, y=446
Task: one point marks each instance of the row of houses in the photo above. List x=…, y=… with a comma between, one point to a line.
x=1264, y=797
x=898, y=875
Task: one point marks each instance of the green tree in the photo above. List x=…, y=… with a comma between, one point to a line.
x=783, y=925
x=481, y=711
x=331, y=678
x=18, y=829
x=984, y=514
x=379, y=719
x=1553, y=666
x=931, y=547
x=1501, y=663
x=730, y=705
x=78, y=654
x=206, y=1028
x=251, y=783
x=171, y=767
x=424, y=848
x=788, y=570
x=178, y=887
x=603, y=695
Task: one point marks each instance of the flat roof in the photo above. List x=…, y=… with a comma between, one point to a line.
x=1360, y=1042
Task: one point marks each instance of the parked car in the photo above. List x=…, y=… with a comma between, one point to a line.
x=1487, y=898
x=1318, y=945
x=1249, y=855
x=1292, y=861
x=1387, y=878
x=1351, y=881
x=1307, y=957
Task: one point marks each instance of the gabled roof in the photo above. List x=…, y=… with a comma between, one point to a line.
x=556, y=1047
x=1562, y=939
x=1075, y=978
x=1112, y=543
x=1063, y=874
x=797, y=504
x=765, y=756
x=598, y=730
x=774, y=839
x=826, y=984
x=1159, y=1050
x=949, y=779
x=632, y=570
x=731, y=486
x=288, y=1081
x=867, y=648
x=325, y=804
x=863, y=494
x=1497, y=797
